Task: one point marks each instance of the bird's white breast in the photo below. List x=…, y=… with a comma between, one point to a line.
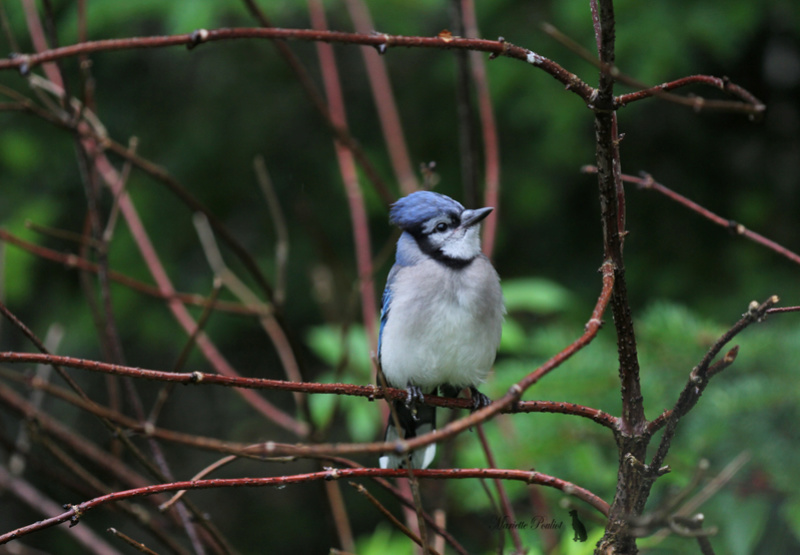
x=443, y=325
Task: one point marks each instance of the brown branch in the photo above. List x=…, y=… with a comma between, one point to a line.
x=701, y=374
x=347, y=169
x=39, y=502
x=491, y=143
x=647, y=182
x=138, y=546
x=74, y=513
x=74, y=261
x=370, y=391
x=390, y=517
x=24, y=62
x=749, y=105
x=319, y=103
x=382, y=94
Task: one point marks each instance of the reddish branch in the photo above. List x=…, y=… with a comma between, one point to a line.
x=74, y=513
x=381, y=41
x=751, y=103
x=700, y=375
x=370, y=391
x=347, y=169
x=647, y=182
x=25, y=62
x=383, y=96
x=74, y=261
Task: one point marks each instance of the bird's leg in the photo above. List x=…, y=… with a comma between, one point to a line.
x=479, y=400
x=413, y=398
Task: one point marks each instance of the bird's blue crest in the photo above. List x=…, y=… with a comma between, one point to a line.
x=420, y=207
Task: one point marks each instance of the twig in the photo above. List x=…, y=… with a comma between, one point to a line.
x=74, y=261
x=370, y=391
x=281, y=229
x=268, y=322
x=142, y=548
x=749, y=104
x=347, y=168
x=647, y=182
x=467, y=132
x=491, y=142
x=319, y=103
x=498, y=48
x=505, y=503
x=75, y=512
x=383, y=96
x=700, y=375
x=390, y=517
x=35, y=499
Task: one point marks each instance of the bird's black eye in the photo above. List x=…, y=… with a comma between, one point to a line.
x=441, y=226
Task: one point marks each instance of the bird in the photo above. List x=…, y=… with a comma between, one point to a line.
x=441, y=315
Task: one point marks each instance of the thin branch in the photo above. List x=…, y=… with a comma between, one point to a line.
x=347, y=168
x=39, y=502
x=280, y=227
x=24, y=62
x=458, y=426
x=75, y=512
x=273, y=329
x=491, y=142
x=749, y=104
x=700, y=375
x=319, y=103
x=370, y=391
x=74, y=261
x=646, y=182
x=390, y=517
x=383, y=96
x=138, y=546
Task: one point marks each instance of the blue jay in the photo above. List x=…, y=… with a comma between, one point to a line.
x=441, y=315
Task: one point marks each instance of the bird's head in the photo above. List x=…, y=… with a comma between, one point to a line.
x=442, y=227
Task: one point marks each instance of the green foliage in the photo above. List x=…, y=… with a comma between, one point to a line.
x=384, y=539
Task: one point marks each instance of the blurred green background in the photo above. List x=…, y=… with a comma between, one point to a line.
x=204, y=114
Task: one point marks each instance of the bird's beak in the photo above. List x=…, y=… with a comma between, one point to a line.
x=471, y=217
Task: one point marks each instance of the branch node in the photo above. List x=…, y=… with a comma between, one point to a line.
x=197, y=377
x=533, y=58
x=24, y=67
x=197, y=37
x=502, y=41
x=384, y=46
x=77, y=514
x=593, y=323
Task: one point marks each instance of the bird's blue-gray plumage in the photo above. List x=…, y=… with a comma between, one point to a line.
x=441, y=315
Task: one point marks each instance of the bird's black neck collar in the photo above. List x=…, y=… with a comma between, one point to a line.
x=427, y=248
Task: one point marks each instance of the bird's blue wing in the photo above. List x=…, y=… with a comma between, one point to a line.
x=386, y=302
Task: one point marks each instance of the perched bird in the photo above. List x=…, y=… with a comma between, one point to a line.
x=441, y=315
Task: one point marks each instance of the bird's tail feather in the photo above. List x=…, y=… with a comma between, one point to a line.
x=414, y=421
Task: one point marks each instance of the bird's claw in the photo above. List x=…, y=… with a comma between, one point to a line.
x=414, y=395
x=479, y=400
